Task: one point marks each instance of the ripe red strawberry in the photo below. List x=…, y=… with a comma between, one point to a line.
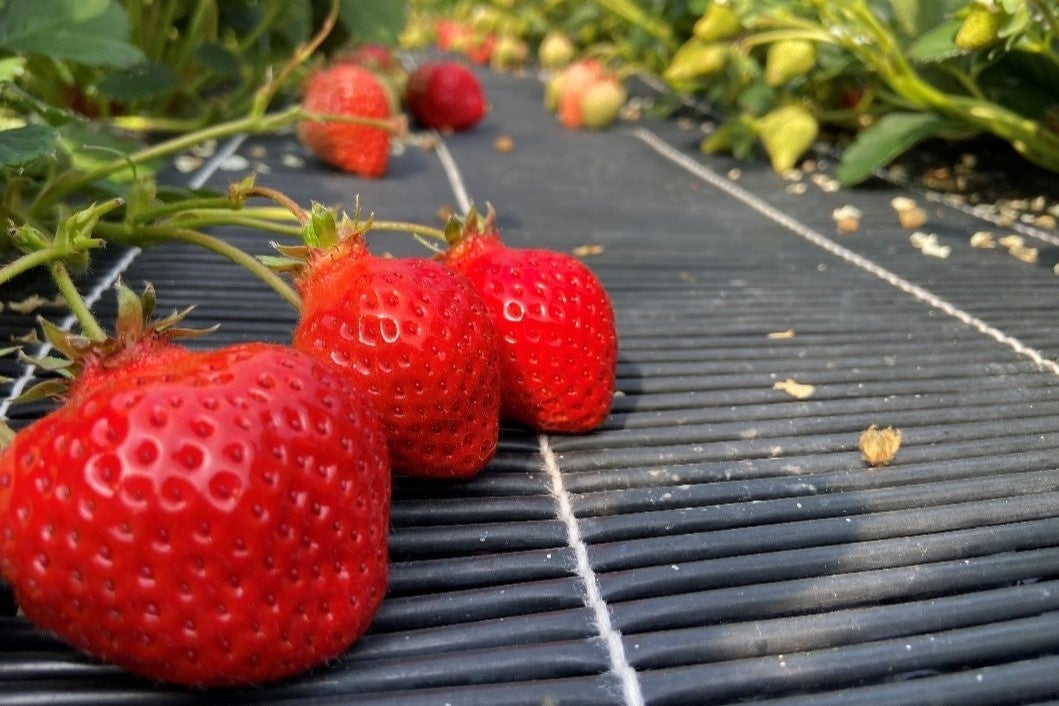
x=445, y=96
x=555, y=324
x=345, y=89
x=417, y=338
x=217, y=519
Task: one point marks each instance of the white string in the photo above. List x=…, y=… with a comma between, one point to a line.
x=110, y=277
x=619, y=663
x=820, y=240
x=463, y=201
x=630, y=685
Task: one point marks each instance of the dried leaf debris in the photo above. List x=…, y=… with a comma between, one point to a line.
x=879, y=446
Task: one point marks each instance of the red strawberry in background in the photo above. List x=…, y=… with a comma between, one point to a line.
x=346, y=89
x=218, y=519
x=416, y=337
x=445, y=96
x=555, y=325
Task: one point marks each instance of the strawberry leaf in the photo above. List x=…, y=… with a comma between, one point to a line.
x=21, y=145
x=880, y=144
x=137, y=83
x=91, y=32
x=372, y=20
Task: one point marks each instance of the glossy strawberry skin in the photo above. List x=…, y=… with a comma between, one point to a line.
x=445, y=96
x=346, y=89
x=555, y=327
x=221, y=521
x=418, y=339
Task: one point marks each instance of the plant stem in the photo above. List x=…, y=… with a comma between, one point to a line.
x=265, y=94
x=71, y=182
x=27, y=262
x=89, y=326
x=146, y=235
x=204, y=219
x=212, y=202
x=281, y=198
x=405, y=227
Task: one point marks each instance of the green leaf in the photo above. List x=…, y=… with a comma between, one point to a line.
x=91, y=32
x=21, y=145
x=137, y=83
x=91, y=146
x=883, y=142
x=936, y=44
x=11, y=68
x=218, y=59
x=372, y=20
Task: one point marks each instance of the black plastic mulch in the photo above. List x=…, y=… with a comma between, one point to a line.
x=731, y=535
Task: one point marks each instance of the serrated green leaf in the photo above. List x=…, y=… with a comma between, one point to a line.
x=21, y=145
x=883, y=142
x=936, y=44
x=372, y=20
x=91, y=32
x=137, y=83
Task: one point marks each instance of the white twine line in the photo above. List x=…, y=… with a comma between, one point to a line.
x=110, y=277
x=820, y=240
x=452, y=172
x=619, y=663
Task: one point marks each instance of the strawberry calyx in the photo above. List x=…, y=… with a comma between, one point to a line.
x=471, y=234
x=84, y=365
x=326, y=238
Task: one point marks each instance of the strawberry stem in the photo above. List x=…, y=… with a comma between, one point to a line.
x=405, y=227
x=265, y=94
x=73, y=181
x=164, y=233
x=89, y=326
x=278, y=197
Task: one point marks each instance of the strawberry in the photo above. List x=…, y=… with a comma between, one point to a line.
x=479, y=48
x=346, y=89
x=445, y=96
x=786, y=133
x=980, y=28
x=601, y=102
x=555, y=325
x=717, y=23
x=787, y=59
x=556, y=51
x=214, y=518
x=576, y=78
x=415, y=336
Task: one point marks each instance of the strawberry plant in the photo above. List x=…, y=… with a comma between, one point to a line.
x=888, y=73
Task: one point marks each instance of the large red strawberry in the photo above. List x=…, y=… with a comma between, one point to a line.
x=445, y=96
x=217, y=519
x=555, y=324
x=346, y=89
x=416, y=337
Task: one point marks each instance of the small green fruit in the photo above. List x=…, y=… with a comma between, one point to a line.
x=696, y=59
x=786, y=133
x=556, y=51
x=718, y=22
x=980, y=29
x=601, y=102
x=509, y=53
x=787, y=59
x=553, y=90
